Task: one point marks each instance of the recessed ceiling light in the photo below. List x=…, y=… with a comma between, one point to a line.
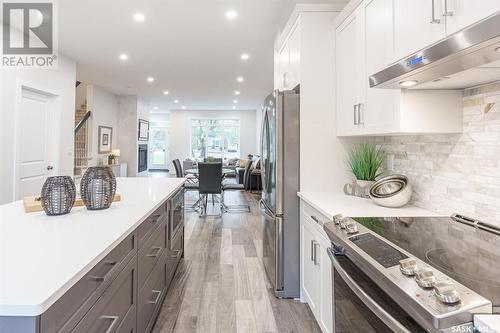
x=176, y=101
x=240, y=79
x=166, y=92
x=407, y=84
x=245, y=57
x=139, y=17
x=123, y=56
x=156, y=108
x=235, y=101
x=150, y=79
x=237, y=92
x=184, y=107
x=231, y=14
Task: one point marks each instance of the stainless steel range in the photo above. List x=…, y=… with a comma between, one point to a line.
x=413, y=274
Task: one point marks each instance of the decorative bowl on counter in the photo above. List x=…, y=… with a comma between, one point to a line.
x=98, y=187
x=391, y=191
x=58, y=195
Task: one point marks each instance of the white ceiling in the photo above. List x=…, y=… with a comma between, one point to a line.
x=188, y=46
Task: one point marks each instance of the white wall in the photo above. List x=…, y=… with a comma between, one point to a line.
x=258, y=129
x=60, y=82
x=180, y=130
x=104, y=113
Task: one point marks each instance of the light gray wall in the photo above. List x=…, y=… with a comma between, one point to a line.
x=104, y=113
x=60, y=82
x=180, y=130
x=460, y=172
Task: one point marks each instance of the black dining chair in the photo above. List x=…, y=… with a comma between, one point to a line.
x=179, y=172
x=238, y=187
x=210, y=182
x=188, y=186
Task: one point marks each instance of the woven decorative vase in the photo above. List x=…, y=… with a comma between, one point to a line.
x=58, y=195
x=98, y=188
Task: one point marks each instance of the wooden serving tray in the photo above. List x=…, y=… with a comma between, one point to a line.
x=31, y=204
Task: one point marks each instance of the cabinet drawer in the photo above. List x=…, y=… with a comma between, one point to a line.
x=72, y=306
x=151, y=296
x=151, y=223
x=151, y=252
x=176, y=251
x=117, y=303
x=313, y=215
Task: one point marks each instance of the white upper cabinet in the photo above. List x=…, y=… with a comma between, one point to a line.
x=365, y=44
x=289, y=60
x=348, y=75
x=378, y=110
x=462, y=13
x=416, y=25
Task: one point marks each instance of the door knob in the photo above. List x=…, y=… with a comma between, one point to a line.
x=50, y=167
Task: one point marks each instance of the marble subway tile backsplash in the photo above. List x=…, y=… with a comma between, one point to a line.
x=456, y=172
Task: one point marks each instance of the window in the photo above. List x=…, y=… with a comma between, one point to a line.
x=215, y=138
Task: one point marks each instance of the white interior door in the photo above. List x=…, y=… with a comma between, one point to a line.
x=33, y=153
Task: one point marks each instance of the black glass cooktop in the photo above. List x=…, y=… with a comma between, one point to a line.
x=379, y=250
x=463, y=252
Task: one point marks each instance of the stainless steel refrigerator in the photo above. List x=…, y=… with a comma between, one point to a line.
x=280, y=182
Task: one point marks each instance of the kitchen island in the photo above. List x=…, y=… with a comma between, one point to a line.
x=61, y=273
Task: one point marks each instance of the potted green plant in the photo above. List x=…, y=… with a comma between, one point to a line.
x=364, y=161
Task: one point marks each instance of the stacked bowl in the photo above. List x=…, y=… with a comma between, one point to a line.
x=391, y=191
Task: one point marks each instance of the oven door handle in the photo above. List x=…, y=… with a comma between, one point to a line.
x=386, y=318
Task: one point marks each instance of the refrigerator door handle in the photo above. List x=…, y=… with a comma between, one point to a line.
x=265, y=210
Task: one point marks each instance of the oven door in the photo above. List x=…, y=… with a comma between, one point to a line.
x=360, y=306
x=176, y=218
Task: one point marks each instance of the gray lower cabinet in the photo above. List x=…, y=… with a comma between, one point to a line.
x=151, y=297
x=116, y=304
x=124, y=291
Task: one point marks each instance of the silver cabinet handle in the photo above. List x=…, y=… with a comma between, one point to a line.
x=158, y=294
x=315, y=219
x=434, y=20
x=447, y=11
x=356, y=114
x=154, y=218
x=316, y=261
x=312, y=249
x=155, y=252
x=386, y=317
x=102, y=278
x=113, y=323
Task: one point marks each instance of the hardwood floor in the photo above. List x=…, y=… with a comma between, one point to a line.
x=220, y=285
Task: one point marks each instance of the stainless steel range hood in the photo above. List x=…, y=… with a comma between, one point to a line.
x=465, y=59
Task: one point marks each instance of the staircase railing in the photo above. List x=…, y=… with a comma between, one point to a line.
x=83, y=121
x=81, y=149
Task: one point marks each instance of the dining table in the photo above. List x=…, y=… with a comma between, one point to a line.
x=195, y=171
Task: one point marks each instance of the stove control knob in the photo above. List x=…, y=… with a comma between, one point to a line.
x=345, y=222
x=351, y=228
x=337, y=218
x=408, y=266
x=425, y=277
x=446, y=293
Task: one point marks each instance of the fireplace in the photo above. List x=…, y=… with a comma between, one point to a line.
x=142, y=158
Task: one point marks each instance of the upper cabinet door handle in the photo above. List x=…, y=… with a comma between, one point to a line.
x=434, y=20
x=447, y=10
x=356, y=114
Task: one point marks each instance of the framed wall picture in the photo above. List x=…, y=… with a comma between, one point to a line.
x=105, y=139
x=143, y=130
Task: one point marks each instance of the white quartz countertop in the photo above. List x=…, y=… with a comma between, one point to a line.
x=41, y=256
x=333, y=203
